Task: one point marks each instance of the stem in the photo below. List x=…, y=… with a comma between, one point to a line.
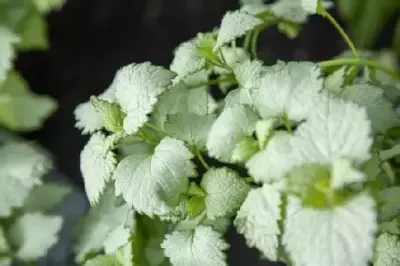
x=344, y=35
x=246, y=43
x=254, y=43
x=150, y=125
x=201, y=159
x=212, y=82
x=357, y=62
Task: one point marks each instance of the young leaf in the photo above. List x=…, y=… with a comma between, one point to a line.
x=104, y=260
x=231, y=127
x=343, y=235
x=87, y=118
x=273, y=162
x=20, y=109
x=46, y=197
x=343, y=173
x=152, y=182
x=249, y=73
x=97, y=165
x=380, y=110
x=190, y=127
x=289, y=90
x=389, y=206
x=137, y=87
x=34, y=234
x=187, y=59
x=335, y=129
x=180, y=99
x=245, y=149
x=231, y=56
x=226, y=191
x=4, y=246
x=46, y=6
x=335, y=81
x=238, y=97
x=258, y=219
x=387, y=250
x=34, y=33
x=21, y=168
x=234, y=25
x=117, y=238
x=198, y=247
x=264, y=130
x=102, y=219
x=7, y=41
x=111, y=112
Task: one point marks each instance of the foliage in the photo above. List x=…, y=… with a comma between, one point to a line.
x=302, y=157
x=29, y=226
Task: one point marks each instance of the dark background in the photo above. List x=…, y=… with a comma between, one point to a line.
x=91, y=39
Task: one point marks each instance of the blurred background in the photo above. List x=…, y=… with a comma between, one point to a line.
x=91, y=39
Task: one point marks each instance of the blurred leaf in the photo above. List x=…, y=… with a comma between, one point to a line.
x=348, y=8
x=34, y=32
x=396, y=39
x=366, y=24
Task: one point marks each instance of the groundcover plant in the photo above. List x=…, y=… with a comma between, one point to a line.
x=28, y=224
x=301, y=157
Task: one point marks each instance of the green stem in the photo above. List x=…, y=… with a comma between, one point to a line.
x=150, y=125
x=358, y=62
x=213, y=82
x=254, y=43
x=344, y=35
x=246, y=43
x=201, y=159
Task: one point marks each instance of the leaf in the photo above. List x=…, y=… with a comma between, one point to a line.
x=96, y=226
x=387, y=250
x=87, y=118
x=187, y=59
x=191, y=128
x=122, y=257
x=226, y=191
x=21, y=169
x=380, y=110
x=335, y=81
x=46, y=6
x=343, y=235
x=258, y=219
x=196, y=206
x=231, y=56
x=390, y=153
x=234, y=25
x=230, y=128
x=245, y=149
x=4, y=246
x=34, y=33
x=104, y=260
x=98, y=163
x=152, y=183
x=20, y=109
x=34, y=234
x=202, y=246
x=5, y=261
x=8, y=40
x=117, y=238
x=264, y=130
x=272, y=163
x=180, y=99
x=137, y=87
x=290, y=10
x=46, y=197
x=111, y=112
x=389, y=200
x=314, y=6
x=249, y=73
x=289, y=90
x=238, y=97
x=392, y=227
x=335, y=129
